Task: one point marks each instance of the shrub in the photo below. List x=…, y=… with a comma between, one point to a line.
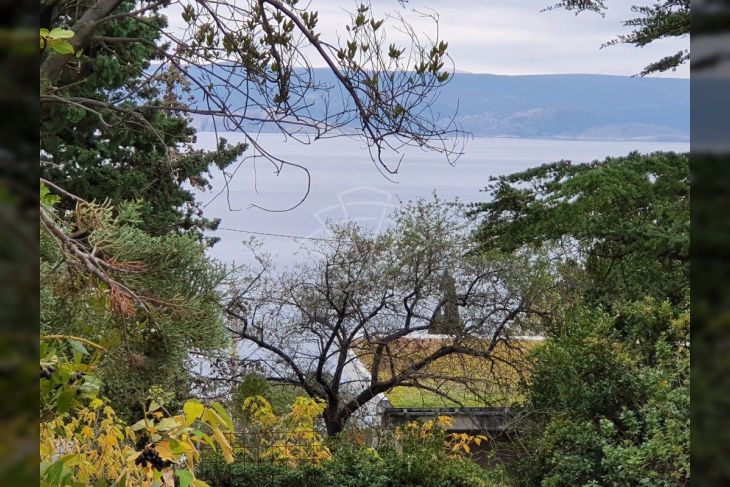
x=416, y=455
x=606, y=411
x=84, y=442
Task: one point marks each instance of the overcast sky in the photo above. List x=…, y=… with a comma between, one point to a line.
x=515, y=37
x=511, y=36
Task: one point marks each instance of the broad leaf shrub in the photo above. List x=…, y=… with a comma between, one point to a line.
x=83, y=442
x=414, y=455
x=605, y=411
x=292, y=438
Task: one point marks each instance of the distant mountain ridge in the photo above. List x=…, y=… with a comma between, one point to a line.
x=561, y=106
x=571, y=106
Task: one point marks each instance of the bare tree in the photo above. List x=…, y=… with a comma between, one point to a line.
x=247, y=66
x=363, y=297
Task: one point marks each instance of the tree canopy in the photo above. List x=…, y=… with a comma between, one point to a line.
x=624, y=219
x=608, y=398
x=359, y=297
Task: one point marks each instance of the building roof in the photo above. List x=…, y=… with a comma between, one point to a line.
x=455, y=380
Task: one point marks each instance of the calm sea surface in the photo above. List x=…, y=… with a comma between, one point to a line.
x=345, y=184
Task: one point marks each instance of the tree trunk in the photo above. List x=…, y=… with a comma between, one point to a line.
x=334, y=426
x=334, y=420
x=83, y=28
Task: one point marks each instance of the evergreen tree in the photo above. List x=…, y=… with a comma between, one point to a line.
x=448, y=322
x=142, y=150
x=663, y=19
x=624, y=221
x=149, y=300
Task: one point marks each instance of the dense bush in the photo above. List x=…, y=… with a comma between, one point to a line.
x=610, y=412
x=401, y=459
x=353, y=467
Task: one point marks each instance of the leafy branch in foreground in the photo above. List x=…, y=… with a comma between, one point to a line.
x=84, y=442
x=148, y=300
x=661, y=20
x=234, y=66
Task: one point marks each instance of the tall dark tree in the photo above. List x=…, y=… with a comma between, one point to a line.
x=141, y=151
x=624, y=220
x=448, y=320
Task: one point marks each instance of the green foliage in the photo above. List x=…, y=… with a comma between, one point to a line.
x=55, y=40
x=410, y=461
x=583, y=370
x=171, y=274
x=605, y=413
x=625, y=220
x=101, y=153
x=661, y=20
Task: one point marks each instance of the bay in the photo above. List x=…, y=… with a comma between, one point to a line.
x=345, y=184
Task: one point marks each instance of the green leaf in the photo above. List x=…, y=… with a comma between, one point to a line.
x=47, y=198
x=44, y=32
x=58, y=33
x=54, y=473
x=65, y=400
x=166, y=424
x=155, y=404
x=78, y=348
x=185, y=478
x=60, y=46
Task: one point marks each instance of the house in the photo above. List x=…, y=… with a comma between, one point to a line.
x=477, y=393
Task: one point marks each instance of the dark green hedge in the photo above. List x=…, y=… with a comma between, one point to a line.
x=353, y=466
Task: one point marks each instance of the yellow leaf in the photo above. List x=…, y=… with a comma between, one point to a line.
x=223, y=415
x=87, y=432
x=133, y=456
x=225, y=446
x=163, y=448
x=108, y=441
x=193, y=410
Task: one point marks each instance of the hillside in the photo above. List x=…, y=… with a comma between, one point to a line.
x=569, y=106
